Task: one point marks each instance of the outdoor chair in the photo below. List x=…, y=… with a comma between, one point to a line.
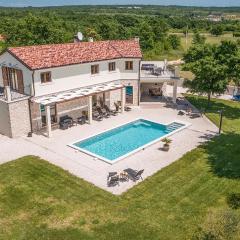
x=65, y=122
x=81, y=120
x=134, y=174
x=113, y=181
x=128, y=109
x=111, y=112
x=102, y=112
x=96, y=116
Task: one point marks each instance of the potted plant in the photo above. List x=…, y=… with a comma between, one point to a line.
x=166, y=145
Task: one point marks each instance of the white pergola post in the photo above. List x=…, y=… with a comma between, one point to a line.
x=90, y=109
x=48, y=118
x=177, y=76
x=123, y=98
x=175, y=91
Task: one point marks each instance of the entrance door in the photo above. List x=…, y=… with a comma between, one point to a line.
x=129, y=95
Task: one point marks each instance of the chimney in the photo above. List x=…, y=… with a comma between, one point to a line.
x=7, y=92
x=90, y=39
x=137, y=39
x=176, y=72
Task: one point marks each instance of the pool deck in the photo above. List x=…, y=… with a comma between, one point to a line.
x=151, y=159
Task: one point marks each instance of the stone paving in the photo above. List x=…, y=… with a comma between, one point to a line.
x=151, y=159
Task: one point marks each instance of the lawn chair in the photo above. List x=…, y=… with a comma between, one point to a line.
x=134, y=174
x=113, y=179
x=111, y=112
x=96, y=116
x=102, y=112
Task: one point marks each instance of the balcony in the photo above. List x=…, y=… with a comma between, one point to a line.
x=157, y=71
x=7, y=94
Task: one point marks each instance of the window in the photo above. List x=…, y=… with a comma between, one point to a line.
x=112, y=66
x=46, y=77
x=94, y=69
x=129, y=65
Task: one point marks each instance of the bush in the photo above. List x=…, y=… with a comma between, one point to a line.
x=236, y=34
x=174, y=41
x=233, y=200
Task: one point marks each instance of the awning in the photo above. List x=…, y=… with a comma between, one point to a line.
x=76, y=93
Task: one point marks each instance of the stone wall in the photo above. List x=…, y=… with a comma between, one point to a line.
x=15, y=118
x=19, y=118
x=73, y=108
x=35, y=116
x=5, y=127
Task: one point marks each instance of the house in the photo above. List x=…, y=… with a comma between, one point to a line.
x=40, y=84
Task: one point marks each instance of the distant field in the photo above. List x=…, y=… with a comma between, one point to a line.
x=177, y=54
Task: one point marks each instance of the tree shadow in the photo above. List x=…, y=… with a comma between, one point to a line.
x=224, y=155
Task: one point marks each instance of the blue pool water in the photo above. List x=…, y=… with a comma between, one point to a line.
x=120, y=141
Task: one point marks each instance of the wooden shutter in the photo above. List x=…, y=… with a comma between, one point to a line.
x=20, y=81
x=5, y=76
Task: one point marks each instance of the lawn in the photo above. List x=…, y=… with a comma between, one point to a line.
x=41, y=201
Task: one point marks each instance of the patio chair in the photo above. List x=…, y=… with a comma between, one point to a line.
x=128, y=109
x=113, y=181
x=96, y=116
x=81, y=120
x=134, y=174
x=111, y=112
x=65, y=122
x=102, y=112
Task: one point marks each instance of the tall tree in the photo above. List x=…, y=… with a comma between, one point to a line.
x=210, y=74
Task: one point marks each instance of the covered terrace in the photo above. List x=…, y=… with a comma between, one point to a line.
x=88, y=92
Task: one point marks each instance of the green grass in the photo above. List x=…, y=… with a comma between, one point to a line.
x=231, y=112
x=41, y=201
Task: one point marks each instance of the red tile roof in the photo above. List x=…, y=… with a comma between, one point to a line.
x=56, y=55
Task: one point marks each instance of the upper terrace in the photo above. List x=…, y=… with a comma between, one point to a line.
x=157, y=71
x=7, y=94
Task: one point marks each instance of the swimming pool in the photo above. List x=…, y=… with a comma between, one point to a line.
x=116, y=144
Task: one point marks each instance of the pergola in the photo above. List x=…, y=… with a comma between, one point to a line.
x=46, y=101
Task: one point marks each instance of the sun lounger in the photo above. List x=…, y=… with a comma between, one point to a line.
x=134, y=174
x=113, y=180
x=111, y=112
x=97, y=116
x=102, y=113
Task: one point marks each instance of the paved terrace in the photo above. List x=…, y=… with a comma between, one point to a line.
x=152, y=159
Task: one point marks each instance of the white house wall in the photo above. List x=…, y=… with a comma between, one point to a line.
x=76, y=76
x=8, y=60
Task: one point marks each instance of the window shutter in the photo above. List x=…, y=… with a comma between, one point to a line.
x=5, y=76
x=20, y=81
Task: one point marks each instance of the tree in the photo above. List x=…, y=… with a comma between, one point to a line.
x=217, y=30
x=210, y=75
x=198, y=39
x=146, y=36
x=174, y=41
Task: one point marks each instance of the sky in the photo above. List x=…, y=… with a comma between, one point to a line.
x=24, y=3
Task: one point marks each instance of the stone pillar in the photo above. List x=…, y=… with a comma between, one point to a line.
x=48, y=118
x=175, y=91
x=8, y=94
x=90, y=109
x=123, y=98
x=177, y=77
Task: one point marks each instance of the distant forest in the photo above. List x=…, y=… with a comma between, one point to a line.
x=153, y=24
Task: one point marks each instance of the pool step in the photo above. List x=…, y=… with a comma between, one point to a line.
x=174, y=126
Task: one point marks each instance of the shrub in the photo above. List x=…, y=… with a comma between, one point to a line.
x=233, y=200
x=236, y=34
